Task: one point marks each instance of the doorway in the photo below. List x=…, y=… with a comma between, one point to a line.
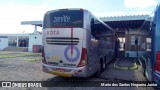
x=122, y=43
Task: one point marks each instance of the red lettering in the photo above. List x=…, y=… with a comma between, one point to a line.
x=57, y=33
x=47, y=32
x=52, y=32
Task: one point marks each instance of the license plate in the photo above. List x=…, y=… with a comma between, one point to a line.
x=64, y=74
x=60, y=70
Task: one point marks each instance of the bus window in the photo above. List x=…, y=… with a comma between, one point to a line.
x=92, y=26
x=64, y=18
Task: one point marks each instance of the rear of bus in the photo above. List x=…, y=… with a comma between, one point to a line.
x=63, y=37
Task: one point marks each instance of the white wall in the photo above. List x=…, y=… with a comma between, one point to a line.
x=3, y=43
x=34, y=41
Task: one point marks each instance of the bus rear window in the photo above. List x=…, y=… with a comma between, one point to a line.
x=63, y=18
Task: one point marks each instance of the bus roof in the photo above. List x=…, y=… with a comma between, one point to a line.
x=65, y=9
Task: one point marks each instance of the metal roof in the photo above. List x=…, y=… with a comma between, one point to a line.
x=125, y=18
x=123, y=22
x=36, y=23
x=132, y=21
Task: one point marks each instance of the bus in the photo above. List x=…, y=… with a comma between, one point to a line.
x=150, y=60
x=76, y=43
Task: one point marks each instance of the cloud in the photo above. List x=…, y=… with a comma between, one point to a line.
x=139, y=3
x=12, y=15
x=104, y=14
x=142, y=13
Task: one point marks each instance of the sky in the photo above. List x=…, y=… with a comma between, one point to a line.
x=12, y=12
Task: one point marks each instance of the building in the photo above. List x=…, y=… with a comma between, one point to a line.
x=26, y=41
x=127, y=28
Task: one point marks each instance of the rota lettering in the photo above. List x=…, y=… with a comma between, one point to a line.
x=52, y=32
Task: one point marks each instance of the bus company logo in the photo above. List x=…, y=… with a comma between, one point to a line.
x=64, y=19
x=52, y=32
x=70, y=57
x=6, y=84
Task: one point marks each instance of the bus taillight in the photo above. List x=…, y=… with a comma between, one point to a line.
x=83, y=61
x=157, y=65
x=42, y=54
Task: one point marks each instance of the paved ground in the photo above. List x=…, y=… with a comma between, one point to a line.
x=19, y=68
x=123, y=74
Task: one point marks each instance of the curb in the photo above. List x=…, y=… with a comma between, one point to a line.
x=33, y=60
x=22, y=55
x=134, y=67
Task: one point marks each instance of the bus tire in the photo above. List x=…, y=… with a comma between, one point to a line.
x=100, y=68
x=104, y=64
x=144, y=68
x=144, y=71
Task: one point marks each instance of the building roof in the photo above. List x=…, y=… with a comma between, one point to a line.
x=123, y=22
x=36, y=23
x=132, y=21
x=125, y=18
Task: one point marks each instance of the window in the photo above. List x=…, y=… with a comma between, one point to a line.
x=23, y=41
x=148, y=44
x=139, y=40
x=12, y=41
x=64, y=18
x=133, y=38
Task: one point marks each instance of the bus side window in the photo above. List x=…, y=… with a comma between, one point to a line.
x=92, y=25
x=93, y=30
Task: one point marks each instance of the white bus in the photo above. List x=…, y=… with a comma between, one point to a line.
x=75, y=43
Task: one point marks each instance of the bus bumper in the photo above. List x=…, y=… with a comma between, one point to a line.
x=66, y=71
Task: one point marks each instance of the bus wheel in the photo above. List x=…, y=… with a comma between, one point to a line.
x=143, y=66
x=104, y=65
x=144, y=71
x=100, y=69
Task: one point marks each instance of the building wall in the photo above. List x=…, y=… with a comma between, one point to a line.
x=3, y=42
x=34, y=40
x=131, y=47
